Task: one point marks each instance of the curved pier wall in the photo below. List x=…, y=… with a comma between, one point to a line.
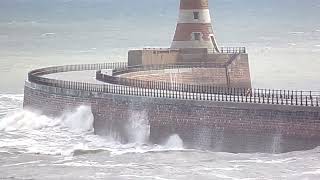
x=221, y=126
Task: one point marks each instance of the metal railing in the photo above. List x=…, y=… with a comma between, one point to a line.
x=233, y=50
x=265, y=96
x=125, y=86
x=138, y=68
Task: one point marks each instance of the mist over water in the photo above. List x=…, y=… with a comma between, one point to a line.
x=282, y=37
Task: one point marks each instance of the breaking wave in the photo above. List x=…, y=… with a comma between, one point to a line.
x=174, y=142
x=79, y=120
x=72, y=134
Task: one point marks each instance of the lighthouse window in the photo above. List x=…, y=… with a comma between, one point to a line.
x=196, y=15
x=197, y=36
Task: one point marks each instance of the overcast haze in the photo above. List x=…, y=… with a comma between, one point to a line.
x=282, y=37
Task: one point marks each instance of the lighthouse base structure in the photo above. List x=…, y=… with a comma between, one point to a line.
x=230, y=68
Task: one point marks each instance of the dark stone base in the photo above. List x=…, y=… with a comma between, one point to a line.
x=205, y=138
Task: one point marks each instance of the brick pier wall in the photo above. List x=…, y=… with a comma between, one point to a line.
x=221, y=126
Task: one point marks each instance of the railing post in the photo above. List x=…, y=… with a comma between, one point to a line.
x=296, y=93
x=238, y=95
x=186, y=92
x=199, y=92
x=162, y=93
x=254, y=96
x=157, y=89
x=165, y=89
x=263, y=96
x=234, y=94
x=259, y=95
x=287, y=97
x=247, y=96
x=291, y=98
x=301, y=98
x=272, y=96
x=311, y=98
x=174, y=92
x=281, y=97
x=277, y=96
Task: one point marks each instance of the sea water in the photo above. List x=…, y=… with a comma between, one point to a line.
x=283, y=41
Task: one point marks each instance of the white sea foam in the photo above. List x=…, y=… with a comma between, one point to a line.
x=79, y=120
x=36, y=133
x=24, y=120
x=315, y=172
x=47, y=34
x=72, y=134
x=19, y=164
x=296, y=32
x=144, y=177
x=292, y=44
x=174, y=142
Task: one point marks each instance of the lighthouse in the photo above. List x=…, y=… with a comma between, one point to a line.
x=194, y=28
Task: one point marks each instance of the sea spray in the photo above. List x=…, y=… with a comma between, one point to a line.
x=138, y=128
x=276, y=143
x=72, y=134
x=174, y=142
x=10, y=103
x=40, y=134
x=24, y=120
x=81, y=119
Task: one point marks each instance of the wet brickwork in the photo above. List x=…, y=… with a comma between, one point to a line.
x=221, y=126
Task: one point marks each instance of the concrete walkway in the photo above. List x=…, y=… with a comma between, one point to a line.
x=76, y=76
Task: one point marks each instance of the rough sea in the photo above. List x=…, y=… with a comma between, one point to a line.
x=282, y=38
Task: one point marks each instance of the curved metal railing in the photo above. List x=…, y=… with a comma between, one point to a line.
x=125, y=86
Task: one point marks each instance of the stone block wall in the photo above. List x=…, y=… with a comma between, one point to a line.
x=195, y=76
x=151, y=56
x=221, y=126
x=234, y=74
x=238, y=72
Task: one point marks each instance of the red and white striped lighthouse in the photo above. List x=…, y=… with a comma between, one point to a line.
x=194, y=29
